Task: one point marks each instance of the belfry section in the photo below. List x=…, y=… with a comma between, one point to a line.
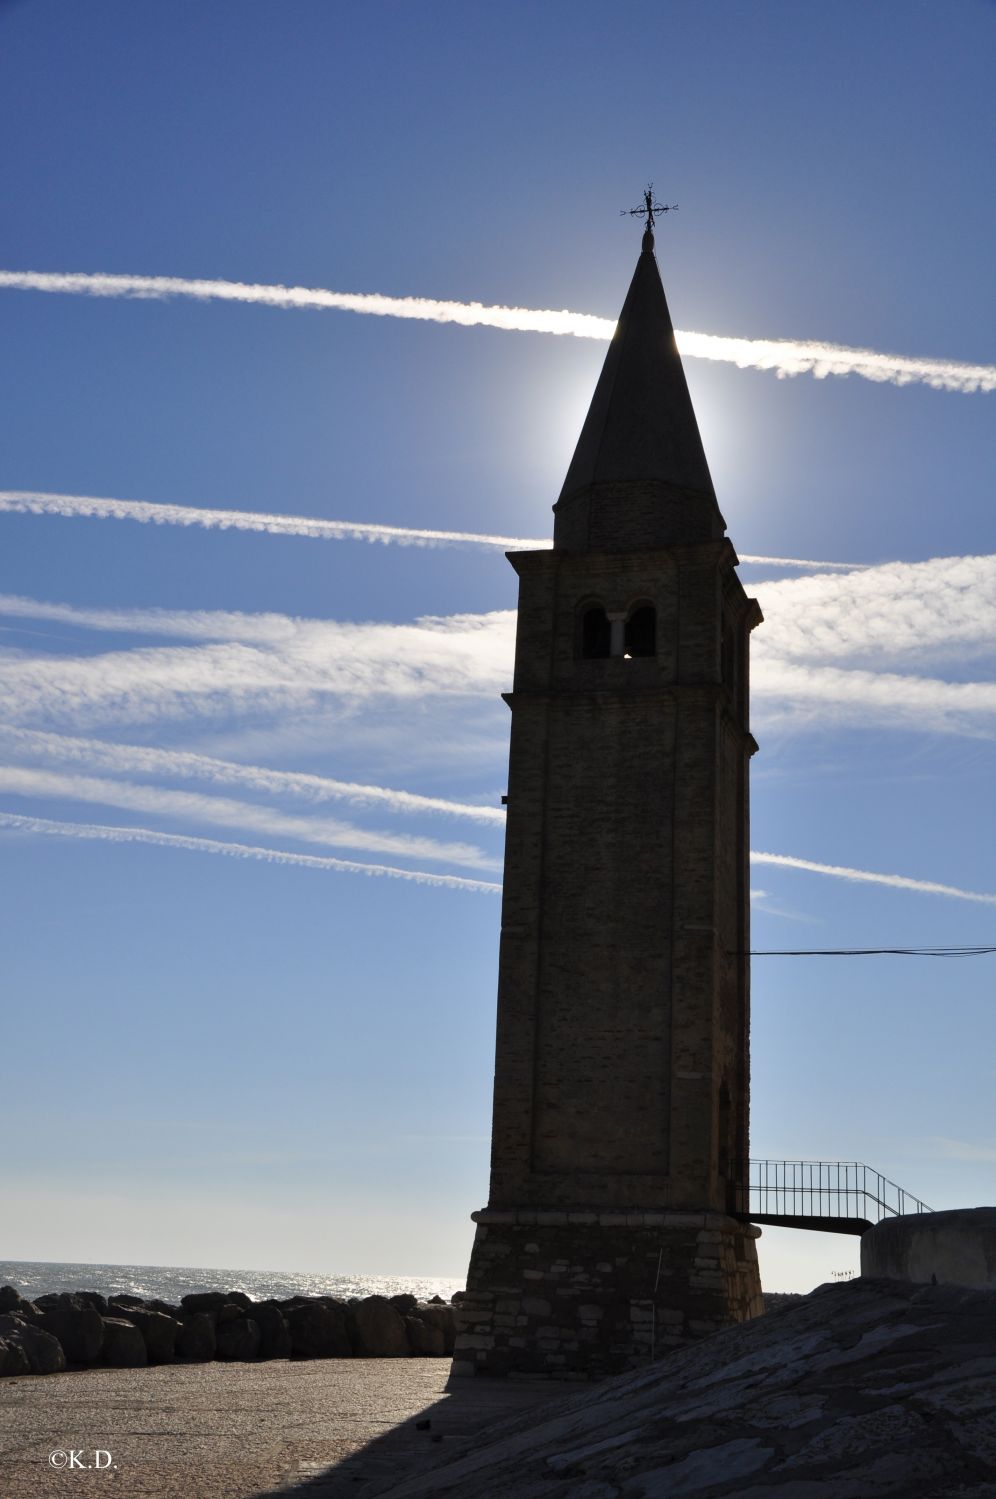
x=620, y=1122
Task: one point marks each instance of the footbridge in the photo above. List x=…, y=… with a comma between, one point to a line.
x=837, y=1197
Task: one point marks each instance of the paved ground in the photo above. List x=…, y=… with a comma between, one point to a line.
x=230, y=1431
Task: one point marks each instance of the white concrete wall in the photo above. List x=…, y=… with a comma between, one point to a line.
x=957, y=1248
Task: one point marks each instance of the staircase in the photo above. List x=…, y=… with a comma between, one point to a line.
x=837, y=1197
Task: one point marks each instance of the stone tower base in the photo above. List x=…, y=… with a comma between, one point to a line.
x=579, y=1295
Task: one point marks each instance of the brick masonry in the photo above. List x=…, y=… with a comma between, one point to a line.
x=622, y=1056
x=583, y=1294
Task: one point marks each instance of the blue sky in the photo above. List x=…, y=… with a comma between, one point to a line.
x=234, y=1061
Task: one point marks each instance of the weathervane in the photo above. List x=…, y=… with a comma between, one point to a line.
x=647, y=211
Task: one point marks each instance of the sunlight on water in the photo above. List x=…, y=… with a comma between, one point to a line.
x=170, y=1282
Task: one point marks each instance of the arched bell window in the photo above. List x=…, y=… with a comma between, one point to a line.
x=596, y=633
x=641, y=631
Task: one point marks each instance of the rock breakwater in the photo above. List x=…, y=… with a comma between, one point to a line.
x=83, y=1328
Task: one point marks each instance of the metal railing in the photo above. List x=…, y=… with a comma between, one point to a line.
x=828, y=1191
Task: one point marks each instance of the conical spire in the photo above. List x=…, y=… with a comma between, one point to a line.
x=639, y=476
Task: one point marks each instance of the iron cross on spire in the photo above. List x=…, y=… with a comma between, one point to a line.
x=648, y=211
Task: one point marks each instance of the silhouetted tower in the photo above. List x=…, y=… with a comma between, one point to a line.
x=621, y=1074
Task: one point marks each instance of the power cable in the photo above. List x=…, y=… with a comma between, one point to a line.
x=868, y=952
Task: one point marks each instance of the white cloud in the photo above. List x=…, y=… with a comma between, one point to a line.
x=252, y=665
x=47, y=827
x=945, y=606
x=33, y=502
x=814, y=697
x=961, y=1150
x=829, y=646
x=808, y=656
x=785, y=356
x=174, y=764
x=225, y=812
x=869, y=877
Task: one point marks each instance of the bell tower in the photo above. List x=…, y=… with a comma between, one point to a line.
x=621, y=1072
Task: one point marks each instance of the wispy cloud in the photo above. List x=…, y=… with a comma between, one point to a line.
x=943, y=607
x=831, y=647
x=48, y=827
x=809, y=658
x=870, y=877
x=961, y=1150
x=147, y=512
x=250, y=665
x=219, y=811
x=811, y=696
x=175, y=764
x=110, y=834
x=785, y=357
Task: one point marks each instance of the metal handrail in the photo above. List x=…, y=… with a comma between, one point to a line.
x=821, y=1189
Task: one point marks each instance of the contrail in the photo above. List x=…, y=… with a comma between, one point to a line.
x=785, y=356
x=111, y=834
x=898, y=881
x=244, y=817
x=186, y=764
x=146, y=511
x=35, y=502
x=114, y=834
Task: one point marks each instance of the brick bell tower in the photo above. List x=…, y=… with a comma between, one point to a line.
x=621, y=1069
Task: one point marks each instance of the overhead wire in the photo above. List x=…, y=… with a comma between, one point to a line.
x=868, y=952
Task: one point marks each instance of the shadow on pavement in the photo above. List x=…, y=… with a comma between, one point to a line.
x=445, y=1429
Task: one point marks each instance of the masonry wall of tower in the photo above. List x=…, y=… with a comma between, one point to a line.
x=621, y=1083
x=625, y=884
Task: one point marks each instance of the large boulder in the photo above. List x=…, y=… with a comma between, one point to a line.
x=77, y=1326
x=274, y=1334
x=42, y=1351
x=377, y=1329
x=159, y=1332
x=404, y=1303
x=168, y=1308
x=230, y=1312
x=13, y=1358
x=94, y=1299
x=238, y=1340
x=196, y=1339
x=13, y=1301
x=202, y=1301
x=124, y=1346
x=318, y=1329
x=425, y=1339
x=440, y=1316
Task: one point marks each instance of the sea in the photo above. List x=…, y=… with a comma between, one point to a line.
x=170, y=1282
